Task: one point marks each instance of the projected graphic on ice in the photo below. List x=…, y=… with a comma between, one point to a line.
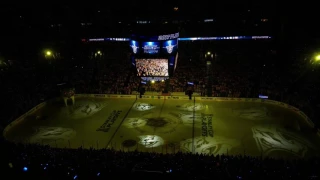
x=271, y=139
x=139, y=106
x=135, y=122
x=253, y=113
x=150, y=124
x=191, y=107
x=83, y=109
x=210, y=145
x=46, y=135
x=150, y=141
x=188, y=118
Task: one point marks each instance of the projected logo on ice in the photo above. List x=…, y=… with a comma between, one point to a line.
x=135, y=46
x=188, y=118
x=52, y=134
x=191, y=107
x=253, y=113
x=83, y=108
x=151, y=47
x=209, y=145
x=273, y=138
x=170, y=46
x=167, y=123
x=150, y=141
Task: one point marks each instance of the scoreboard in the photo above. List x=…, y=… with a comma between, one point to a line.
x=154, y=56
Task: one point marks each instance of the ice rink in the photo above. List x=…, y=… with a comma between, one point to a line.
x=168, y=126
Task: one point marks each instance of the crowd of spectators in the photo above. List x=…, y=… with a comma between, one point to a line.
x=242, y=77
x=43, y=162
x=152, y=67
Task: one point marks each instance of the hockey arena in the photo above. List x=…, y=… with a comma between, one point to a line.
x=169, y=124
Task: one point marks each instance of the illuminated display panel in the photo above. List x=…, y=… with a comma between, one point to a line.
x=152, y=67
x=151, y=47
x=134, y=46
x=170, y=46
x=163, y=38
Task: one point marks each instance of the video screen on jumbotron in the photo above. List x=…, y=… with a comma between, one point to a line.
x=151, y=47
x=152, y=67
x=134, y=46
x=170, y=46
